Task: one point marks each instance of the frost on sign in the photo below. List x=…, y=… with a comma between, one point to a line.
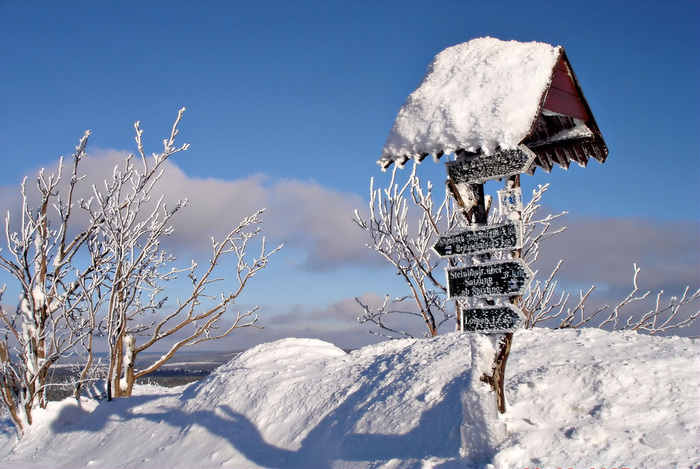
x=490, y=320
x=481, y=168
x=503, y=278
x=480, y=240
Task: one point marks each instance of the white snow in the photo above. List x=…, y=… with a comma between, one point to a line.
x=479, y=95
x=577, y=398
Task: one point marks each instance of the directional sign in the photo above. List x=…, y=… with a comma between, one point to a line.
x=481, y=168
x=504, y=278
x=480, y=239
x=492, y=319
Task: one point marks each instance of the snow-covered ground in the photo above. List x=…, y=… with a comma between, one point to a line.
x=577, y=398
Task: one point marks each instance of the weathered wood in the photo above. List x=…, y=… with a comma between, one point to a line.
x=457, y=198
x=498, y=371
x=481, y=168
x=488, y=280
x=498, y=376
x=492, y=319
x=476, y=240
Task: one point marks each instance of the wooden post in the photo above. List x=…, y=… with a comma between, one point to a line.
x=452, y=187
x=498, y=376
x=476, y=213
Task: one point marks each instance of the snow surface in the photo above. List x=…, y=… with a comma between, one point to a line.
x=577, y=398
x=478, y=96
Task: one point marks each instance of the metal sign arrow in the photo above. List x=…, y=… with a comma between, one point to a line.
x=480, y=240
x=492, y=319
x=504, y=278
x=481, y=168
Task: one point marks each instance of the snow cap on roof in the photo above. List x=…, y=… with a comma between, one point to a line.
x=476, y=96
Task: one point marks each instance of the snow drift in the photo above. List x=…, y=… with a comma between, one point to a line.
x=577, y=398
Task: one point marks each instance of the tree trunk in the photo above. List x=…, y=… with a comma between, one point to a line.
x=129, y=362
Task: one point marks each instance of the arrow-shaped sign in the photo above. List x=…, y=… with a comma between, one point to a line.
x=479, y=240
x=492, y=319
x=504, y=278
x=481, y=168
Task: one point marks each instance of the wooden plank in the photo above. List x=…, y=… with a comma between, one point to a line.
x=481, y=168
x=578, y=156
x=598, y=153
x=492, y=319
x=547, y=163
x=563, y=97
x=480, y=239
x=489, y=280
x=562, y=157
x=564, y=103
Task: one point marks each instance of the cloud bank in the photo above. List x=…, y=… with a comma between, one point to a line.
x=603, y=251
x=315, y=224
x=311, y=219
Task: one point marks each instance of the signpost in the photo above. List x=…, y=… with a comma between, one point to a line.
x=481, y=168
x=500, y=281
x=482, y=239
x=504, y=278
x=488, y=288
x=494, y=319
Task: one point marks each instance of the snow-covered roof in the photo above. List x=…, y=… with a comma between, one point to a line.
x=486, y=95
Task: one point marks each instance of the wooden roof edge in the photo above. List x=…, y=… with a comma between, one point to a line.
x=591, y=123
x=543, y=97
x=385, y=161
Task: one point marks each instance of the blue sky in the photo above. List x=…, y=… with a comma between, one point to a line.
x=289, y=104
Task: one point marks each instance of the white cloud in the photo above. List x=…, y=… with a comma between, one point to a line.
x=602, y=251
x=315, y=224
x=318, y=220
x=307, y=217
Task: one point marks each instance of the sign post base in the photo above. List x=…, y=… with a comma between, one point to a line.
x=481, y=430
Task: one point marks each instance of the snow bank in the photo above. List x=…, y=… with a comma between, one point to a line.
x=583, y=398
x=477, y=96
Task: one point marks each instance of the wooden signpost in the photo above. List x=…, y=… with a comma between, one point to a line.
x=480, y=168
x=492, y=319
x=546, y=123
x=481, y=239
x=490, y=280
x=492, y=289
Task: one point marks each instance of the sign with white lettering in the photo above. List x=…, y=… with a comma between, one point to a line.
x=480, y=240
x=504, y=278
x=492, y=319
x=481, y=168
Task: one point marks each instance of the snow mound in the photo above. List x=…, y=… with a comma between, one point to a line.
x=578, y=398
x=478, y=96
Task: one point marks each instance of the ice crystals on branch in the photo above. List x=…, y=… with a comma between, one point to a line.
x=407, y=245
x=118, y=281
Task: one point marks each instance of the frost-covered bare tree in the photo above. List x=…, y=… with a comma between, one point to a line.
x=404, y=222
x=103, y=277
x=49, y=320
x=544, y=303
x=135, y=269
